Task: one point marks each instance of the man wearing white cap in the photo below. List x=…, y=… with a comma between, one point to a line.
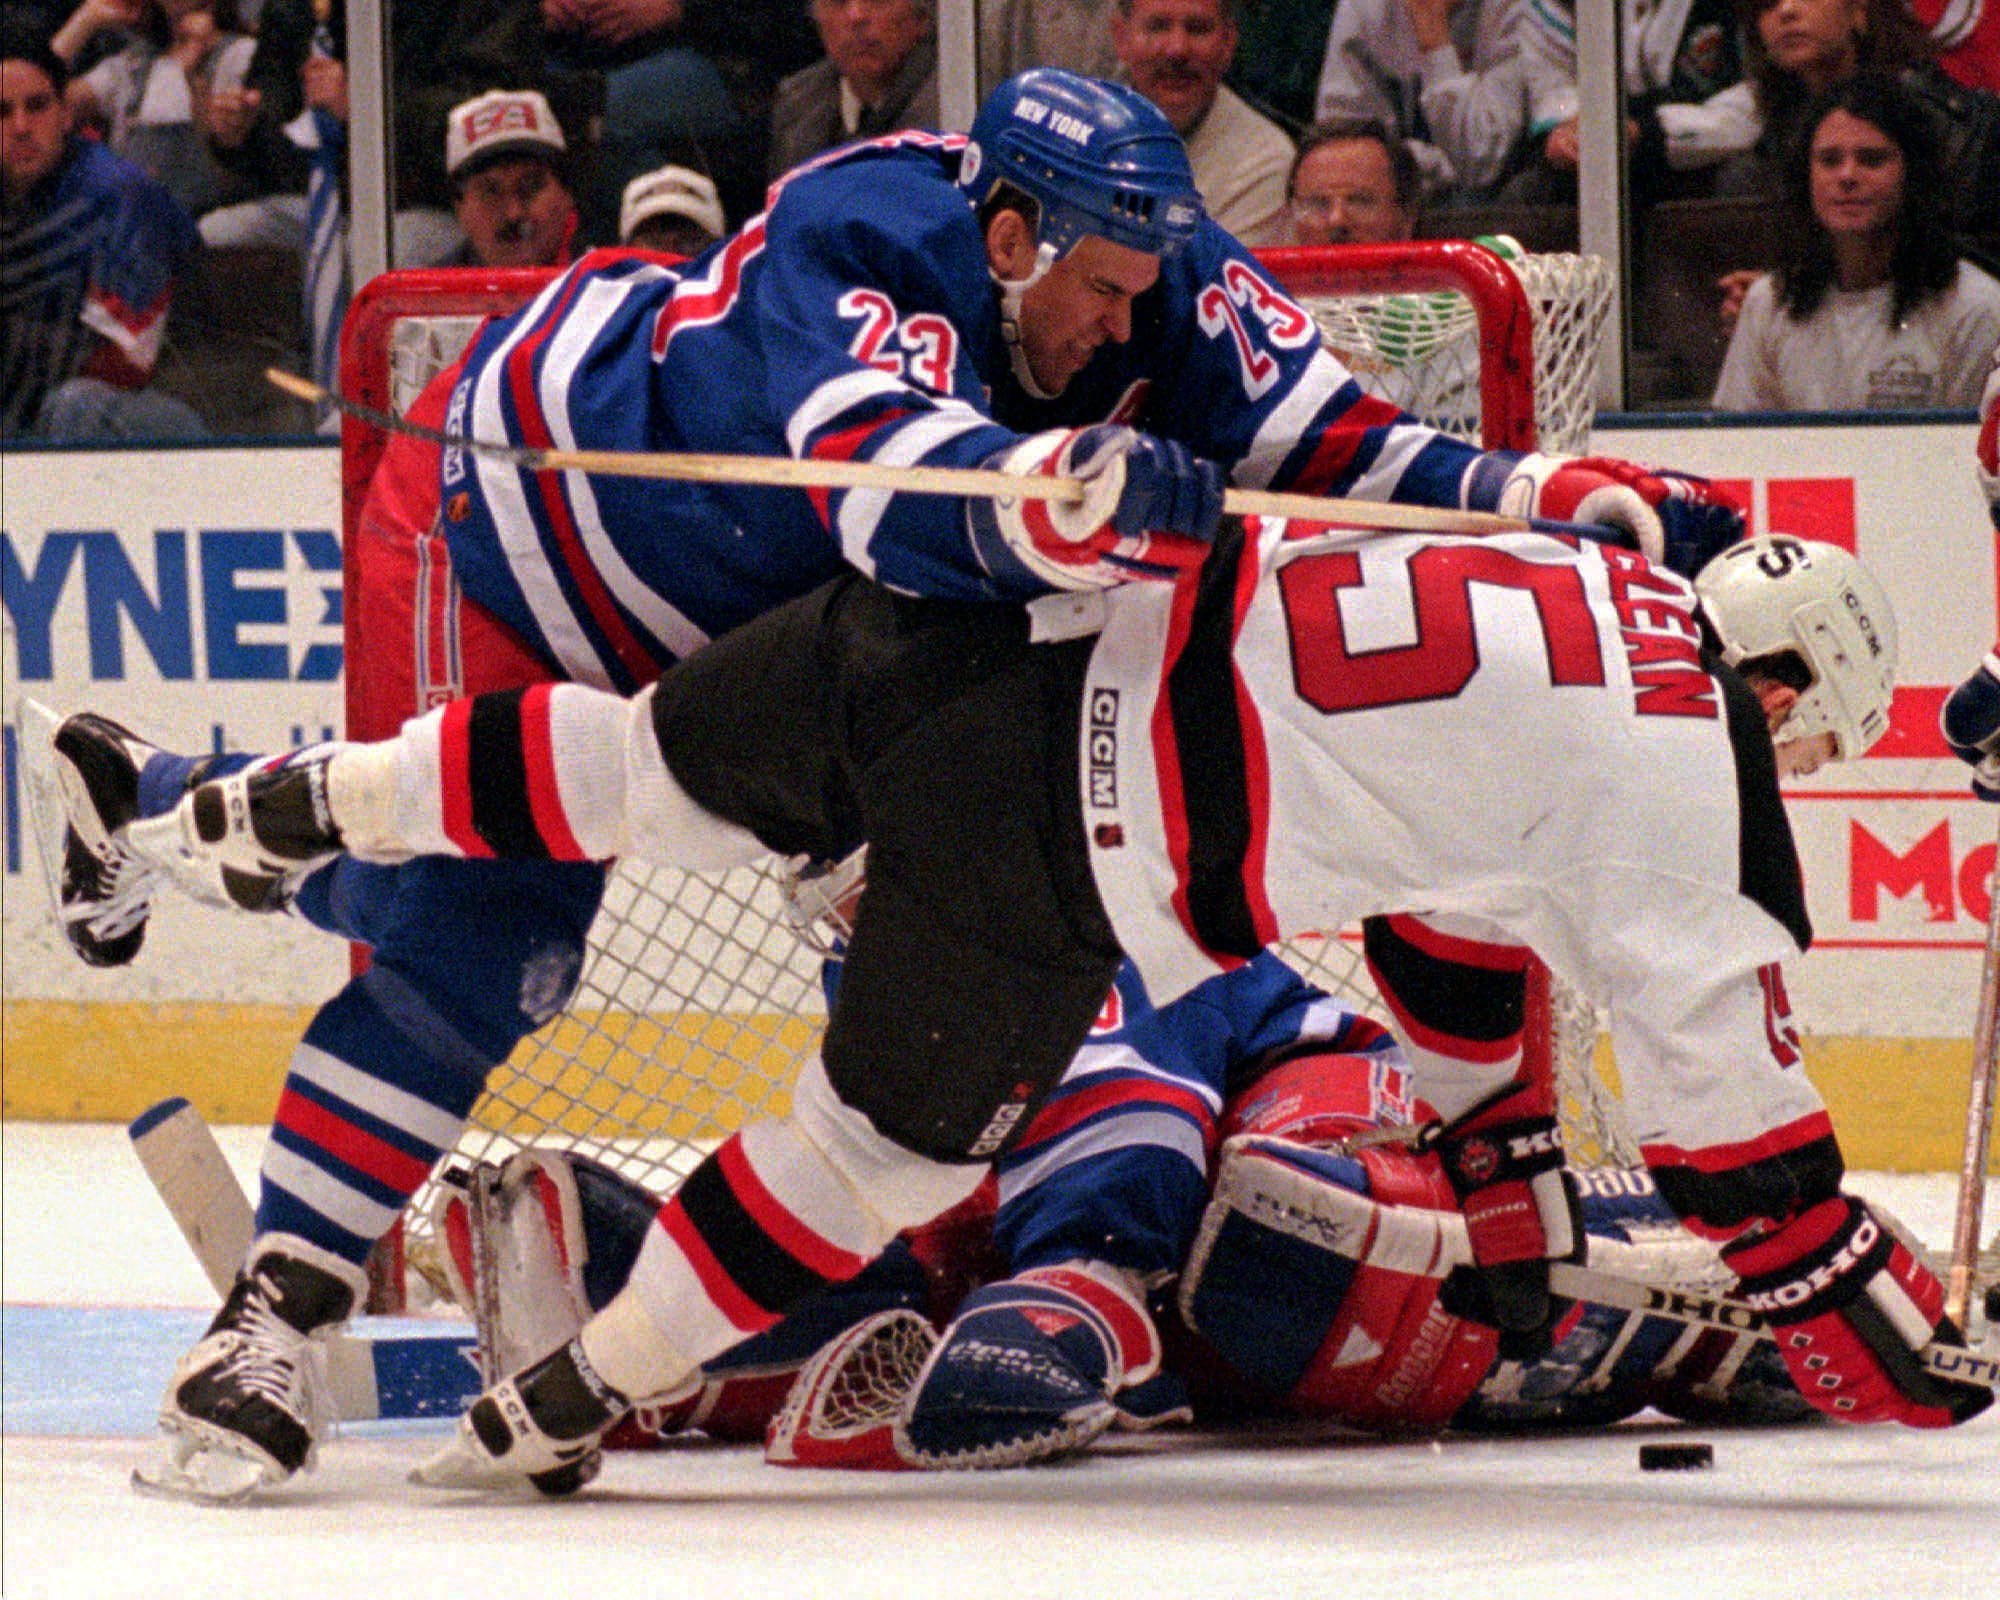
x=504, y=152
x=672, y=210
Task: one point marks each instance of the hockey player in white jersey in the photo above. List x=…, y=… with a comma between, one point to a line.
x=1022, y=299
x=1294, y=739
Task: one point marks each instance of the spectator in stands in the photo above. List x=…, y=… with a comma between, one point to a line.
x=673, y=211
x=1175, y=52
x=1446, y=75
x=1794, y=49
x=1353, y=183
x=1688, y=109
x=505, y=153
x=671, y=82
x=880, y=73
x=441, y=52
x=89, y=250
x=1075, y=35
x=1875, y=310
x=147, y=98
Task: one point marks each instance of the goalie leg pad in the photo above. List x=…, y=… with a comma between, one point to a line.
x=1027, y=1369
x=1316, y=1276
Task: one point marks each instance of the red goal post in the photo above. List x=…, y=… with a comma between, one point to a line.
x=698, y=1000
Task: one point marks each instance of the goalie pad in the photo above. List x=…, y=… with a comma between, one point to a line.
x=1315, y=1276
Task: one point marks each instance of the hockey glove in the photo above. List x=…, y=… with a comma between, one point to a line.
x=1675, y=521
x=1850, y=1307
x=1027, y=1369
x=1970, y=720
x=1504, y=1161
x=1149, y=508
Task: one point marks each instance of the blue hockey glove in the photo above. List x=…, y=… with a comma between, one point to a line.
x=1970, y=720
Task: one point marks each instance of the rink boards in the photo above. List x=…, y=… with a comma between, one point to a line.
x=196, y=594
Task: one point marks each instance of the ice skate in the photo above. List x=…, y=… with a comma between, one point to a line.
x=82, y=790
x=247, y=1404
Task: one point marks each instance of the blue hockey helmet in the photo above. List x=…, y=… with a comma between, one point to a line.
x=1096, y=157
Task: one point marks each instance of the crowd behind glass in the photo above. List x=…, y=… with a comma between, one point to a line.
x=1815, y=183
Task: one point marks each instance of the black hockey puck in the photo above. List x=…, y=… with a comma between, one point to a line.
x=1675, y=1457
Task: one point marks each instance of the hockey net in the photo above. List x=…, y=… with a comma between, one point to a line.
x=699, y=1000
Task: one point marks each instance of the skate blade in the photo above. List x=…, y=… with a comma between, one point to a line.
x=203, y=1473
x=41, y=790
x=462, y=1465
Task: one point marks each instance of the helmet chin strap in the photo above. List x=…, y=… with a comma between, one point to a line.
x=1012, y=290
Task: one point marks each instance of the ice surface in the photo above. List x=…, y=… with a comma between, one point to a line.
x=1806, y=1514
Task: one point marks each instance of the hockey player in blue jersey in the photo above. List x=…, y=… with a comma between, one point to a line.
x=1030, y=298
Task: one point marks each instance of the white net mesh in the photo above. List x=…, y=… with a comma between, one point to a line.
x=699, y=1001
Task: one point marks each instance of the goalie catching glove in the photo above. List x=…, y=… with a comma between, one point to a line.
x=1150, y=507
x=1675, y=520
x=1851, y=1306
x=1504, y=1161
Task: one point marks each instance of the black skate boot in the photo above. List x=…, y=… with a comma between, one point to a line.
x=542, y=1425
x=247, y=1403
x=106, y=890
x=260, y=830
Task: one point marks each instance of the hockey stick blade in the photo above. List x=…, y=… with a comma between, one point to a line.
x=969, y=482
x=1272, y=1195
x=370, y=1378
x=1955, y=1362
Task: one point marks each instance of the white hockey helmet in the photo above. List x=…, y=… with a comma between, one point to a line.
x=1777, y=593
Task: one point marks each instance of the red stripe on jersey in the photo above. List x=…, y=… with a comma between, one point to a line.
x=1339, y=445
x=1988, y=445
x=1718, y=1158
x=1256, y=767
x=1060, y=1116
x=1452, y=1046
x=1451, y=947
x=1167, y=763
x=811, y=1250
x=547, y=488
x=737, y=1308
x=538, y=760
x=455, y=779
x=700, y=302
x=356, y=1147
x=844, y=446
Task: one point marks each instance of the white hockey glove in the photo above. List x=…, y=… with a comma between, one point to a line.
x=1150, y=508
x=1675, y=520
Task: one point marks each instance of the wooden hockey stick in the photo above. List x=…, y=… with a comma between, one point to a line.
x=786, y=472
x=1692, y=1306
x=416, y=1376
x=1978, y=1121
x=1286, y=1201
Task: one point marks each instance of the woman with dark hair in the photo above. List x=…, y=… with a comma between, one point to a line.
x=1794, y=50
x=1874, y=309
